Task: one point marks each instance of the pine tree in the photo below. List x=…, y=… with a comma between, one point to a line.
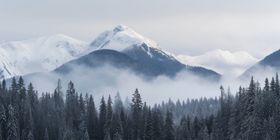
x=102, y=118
x=266, y=85
x=148, y=132
x=82, y=107
x=251, y=98
x=109, y=115
x=58, y=94
x=196, y=127
x=185, y=127
x=92, y=119
x=3, y=87
x=72, y=107
x=270, y=129
x=158, y=122
x=118, y=104
x=136, y=113
x=14, y=85
x=83, y=132
x=21, y=88
x=168, y=127
x=12, y=129
x=28, y=123
x=59, y=111
x=276, y=116
x=272, y=85
x=3, y=117
x=3, y=120
x=116, y=127
x=277, y=86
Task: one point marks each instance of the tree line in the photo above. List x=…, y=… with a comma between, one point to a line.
x=253, y=113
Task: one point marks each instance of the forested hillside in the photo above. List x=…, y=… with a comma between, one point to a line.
x=252, y=114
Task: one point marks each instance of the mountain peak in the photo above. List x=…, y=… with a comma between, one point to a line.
x=121, y=28
x=120, y=38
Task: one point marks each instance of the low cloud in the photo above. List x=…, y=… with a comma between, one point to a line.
x=107, y=80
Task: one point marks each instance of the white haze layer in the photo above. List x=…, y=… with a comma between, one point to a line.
x=107, y=80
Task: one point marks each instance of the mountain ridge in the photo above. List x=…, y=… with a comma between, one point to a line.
x=48, y=53
x=269, y=64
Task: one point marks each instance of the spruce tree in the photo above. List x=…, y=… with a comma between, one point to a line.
x=276, y=116
x=136, y=107
x=272, y=85
x=118, y=104
x=3, y=121
x=92, y=119
x=102, y=118
x=148, y=132
x=12, y=128
x=168, y=127
x=109, y=115
x=158, y=122
x=117, y=127
x=266, y=85
x=277, y=86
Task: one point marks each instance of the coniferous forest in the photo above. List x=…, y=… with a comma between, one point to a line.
x=252, y=113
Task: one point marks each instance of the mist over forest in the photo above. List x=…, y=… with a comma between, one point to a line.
x=250, y=113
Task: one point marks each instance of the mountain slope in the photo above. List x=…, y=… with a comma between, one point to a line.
x=106, y=57
x=146, y=52
x=97, y=59
x=269, y=65
x=156, y=60
x=38, y=55
x=222, y=61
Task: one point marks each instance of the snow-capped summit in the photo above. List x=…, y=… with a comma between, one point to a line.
x=120, y=38
x=38, y=55
x=124, y=39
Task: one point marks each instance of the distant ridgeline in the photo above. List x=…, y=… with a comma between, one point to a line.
x=252, y=114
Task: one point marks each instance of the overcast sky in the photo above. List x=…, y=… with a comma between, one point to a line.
x=179, y=26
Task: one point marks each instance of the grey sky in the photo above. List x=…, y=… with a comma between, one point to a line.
x=180, y=26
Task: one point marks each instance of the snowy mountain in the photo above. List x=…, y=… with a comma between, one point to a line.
x=268, y=66
x=222, y=61
x=38, y=55
x=48, y=53
x=144, y=51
